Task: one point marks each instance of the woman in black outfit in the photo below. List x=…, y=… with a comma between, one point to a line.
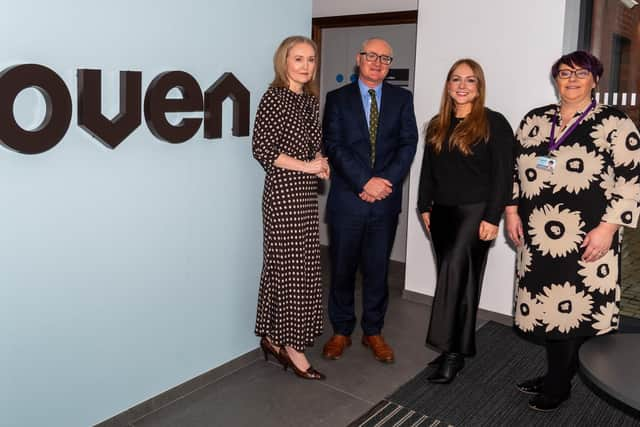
x=464, y=184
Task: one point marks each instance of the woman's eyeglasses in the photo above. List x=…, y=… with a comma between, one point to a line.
x=580, y=73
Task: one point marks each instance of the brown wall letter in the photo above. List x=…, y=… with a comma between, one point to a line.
x=58, y=103
x=90, y=117
x=156, y=105
x=226, y=86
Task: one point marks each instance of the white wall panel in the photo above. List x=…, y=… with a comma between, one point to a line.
x=516, y=42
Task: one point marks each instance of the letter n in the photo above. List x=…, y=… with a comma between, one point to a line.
x=226, y=86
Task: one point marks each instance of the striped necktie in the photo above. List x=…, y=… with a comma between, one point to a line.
x=373, y=125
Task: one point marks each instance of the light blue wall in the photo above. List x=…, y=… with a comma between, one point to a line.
x=126, y=272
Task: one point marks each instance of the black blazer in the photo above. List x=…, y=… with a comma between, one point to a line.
x=345, y=136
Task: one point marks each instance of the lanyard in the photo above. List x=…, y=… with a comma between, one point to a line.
x=553, y=144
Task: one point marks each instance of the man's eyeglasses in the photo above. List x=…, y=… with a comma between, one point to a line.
x=373, y=57
x=580, y=73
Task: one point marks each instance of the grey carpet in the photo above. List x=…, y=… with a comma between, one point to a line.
x=484, y=393
x=629, y=325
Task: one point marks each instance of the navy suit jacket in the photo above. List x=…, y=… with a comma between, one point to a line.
x=345, y=137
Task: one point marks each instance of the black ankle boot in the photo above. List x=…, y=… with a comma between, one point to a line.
x=437, y=361
x=546, y=402
x=531, y=386
x=451, y=364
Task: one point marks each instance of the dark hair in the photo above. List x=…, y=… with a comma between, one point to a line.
x=582, y=59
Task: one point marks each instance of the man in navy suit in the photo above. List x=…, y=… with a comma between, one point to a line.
x=370, y=135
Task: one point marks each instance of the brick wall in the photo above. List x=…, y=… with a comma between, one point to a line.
x=612, y=19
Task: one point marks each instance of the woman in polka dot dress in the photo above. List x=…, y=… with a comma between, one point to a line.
x=577, y=167
x=286, y=142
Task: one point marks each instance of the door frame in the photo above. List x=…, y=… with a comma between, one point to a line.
x=386, y=18
x=371, y=19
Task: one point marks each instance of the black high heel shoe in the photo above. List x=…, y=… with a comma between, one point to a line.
x=309, y=374
x=268, y=348
x=451, y=364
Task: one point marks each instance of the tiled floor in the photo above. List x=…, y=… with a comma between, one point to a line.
x=261, y=394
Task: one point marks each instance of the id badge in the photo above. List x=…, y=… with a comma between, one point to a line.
x=546, y=163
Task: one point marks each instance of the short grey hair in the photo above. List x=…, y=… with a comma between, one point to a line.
x=369, y=40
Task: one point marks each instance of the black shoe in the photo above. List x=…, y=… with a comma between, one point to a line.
x=451, y=364
x=437, y=361
x=531, y=386
x=545, y=402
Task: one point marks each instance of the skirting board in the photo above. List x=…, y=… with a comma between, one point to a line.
x=141, y=410
x=482, y=314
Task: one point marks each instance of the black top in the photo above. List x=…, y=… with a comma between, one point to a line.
x=451, y=178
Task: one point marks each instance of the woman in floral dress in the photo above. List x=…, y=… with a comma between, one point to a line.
x=576, y=182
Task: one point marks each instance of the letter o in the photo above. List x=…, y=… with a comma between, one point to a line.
x=15, y=79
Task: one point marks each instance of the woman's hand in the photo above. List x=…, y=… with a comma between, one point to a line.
x=513, y=224
x=487, y=231
x=426, y=219
x=319, y=165
x=598, y=241
x=326, y=173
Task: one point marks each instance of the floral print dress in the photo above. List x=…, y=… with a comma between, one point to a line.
x=596, y=178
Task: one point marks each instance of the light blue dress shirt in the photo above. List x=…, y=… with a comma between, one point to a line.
x=366, y=98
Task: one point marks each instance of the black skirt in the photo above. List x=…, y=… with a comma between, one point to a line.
x=460, y=258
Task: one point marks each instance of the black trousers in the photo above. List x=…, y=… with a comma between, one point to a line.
x=460, y=258
x=562, y=365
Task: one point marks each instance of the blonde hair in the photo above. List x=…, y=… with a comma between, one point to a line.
x=475, y=126
x=280, y=64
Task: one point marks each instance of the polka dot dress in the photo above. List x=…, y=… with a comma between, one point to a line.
x=596, y=178
x=290, y=296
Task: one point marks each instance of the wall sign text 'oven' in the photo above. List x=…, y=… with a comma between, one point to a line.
x=112, y=132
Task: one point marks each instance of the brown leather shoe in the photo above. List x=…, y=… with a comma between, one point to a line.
x=334, y=348
x=381, y=350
